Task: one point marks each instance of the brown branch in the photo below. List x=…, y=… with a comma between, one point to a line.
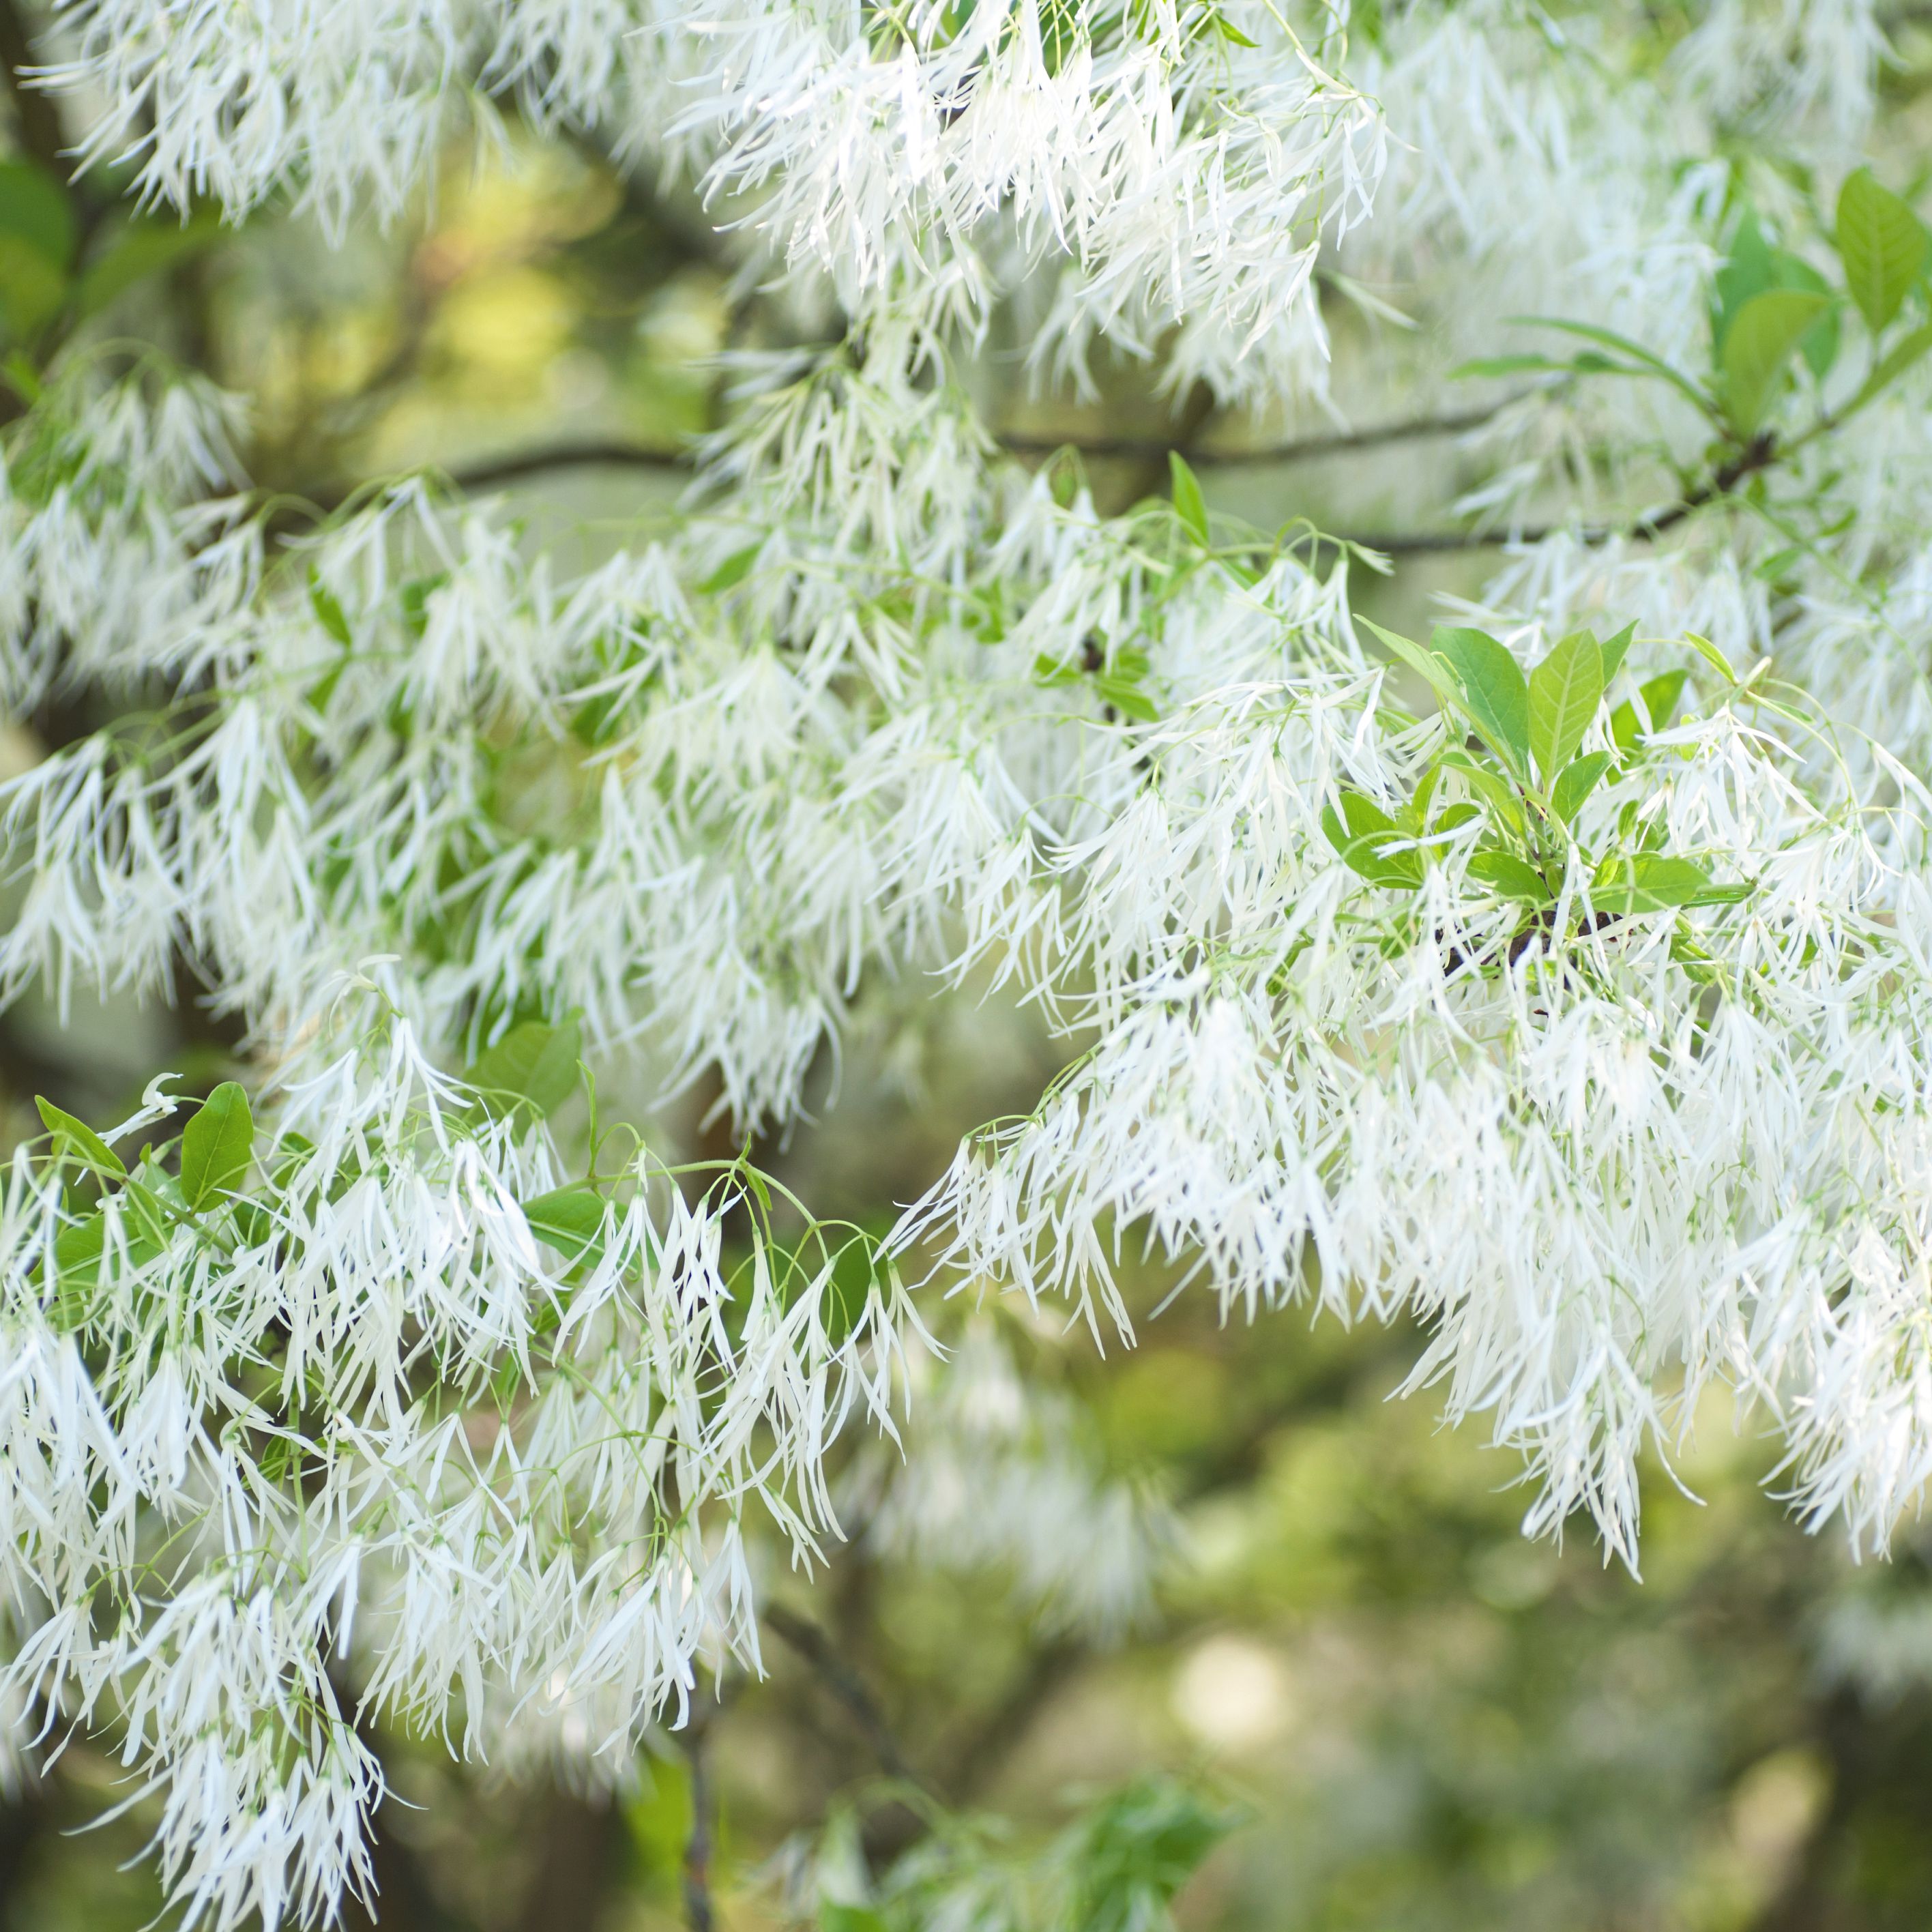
x=1155, y=449
x=811, y=1643
x=592, y=452
x=699, y=1913
x=1152, y=449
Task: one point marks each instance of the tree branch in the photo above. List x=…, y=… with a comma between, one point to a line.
x=1156, y=448
x=605, y=450
x=845, y=1683
x=699, y=1913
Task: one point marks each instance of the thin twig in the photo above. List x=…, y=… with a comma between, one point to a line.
x=698, y=1912
x=1412, y=429
x=592, y=451
x=596, y=451
x=845, y=1683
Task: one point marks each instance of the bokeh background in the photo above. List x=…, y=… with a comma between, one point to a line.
x=1424, y=1721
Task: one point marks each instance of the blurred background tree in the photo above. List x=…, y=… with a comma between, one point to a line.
x=1382, y=1707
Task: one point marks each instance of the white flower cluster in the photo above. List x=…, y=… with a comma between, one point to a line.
x=275, y=1467
x=381, y=1434
x=997, y=1475
x=1168, y=166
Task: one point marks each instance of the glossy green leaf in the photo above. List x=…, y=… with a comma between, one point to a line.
x=217, y=1146
x=78, y=1249
x=1882, y=243
x=1577, y=782
x=1757, y=348
x=532, y=1065
x=1190, y=505
x=1494, y=694
x=1748, y=269
x=1565, y=691
x=1514, y=878
x=77, y=1136
x=572, y=1220
x=1754, y=266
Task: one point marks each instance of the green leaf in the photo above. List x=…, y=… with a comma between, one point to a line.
x=1614, y=652
x=79, y=1249
x=1434, y=669
x=1660, y=696
x=77, y=1136
x=1758, y=345
x=217, y=1145
x=1589, y=362
x=1651, y=882
x=1053, y=671
x=32, y=286
x=34, y=207
x=1818, y=344
x=1190, y=505
x=572, y=1220
x=1577, y=783
x=1492, y=787
x=832, y=1918
x=1748, y=269
x=1494, y=693
x=734, y=569
x=152, y=1218
x=1127, y=698
x=1565, y=690
x=1610, y=339
x=532, y=1065
x=1712, y=655
x=144, y=247
x=1359, y=832
x=328, y=611
x=1882, y=243
x=1514, y=878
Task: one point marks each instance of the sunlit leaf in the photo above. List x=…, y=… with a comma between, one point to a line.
x=217, y=1145
x=1495, y=693
x=1190, y=505
x=77, y=1136
x=1565, y=691
x=1882, y=243
x=1758, y=347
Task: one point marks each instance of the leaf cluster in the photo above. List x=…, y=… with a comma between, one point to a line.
x=1513, y=782
x=1771, y=311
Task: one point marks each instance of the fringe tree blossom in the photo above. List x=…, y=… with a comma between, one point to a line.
x=1582, y=1011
